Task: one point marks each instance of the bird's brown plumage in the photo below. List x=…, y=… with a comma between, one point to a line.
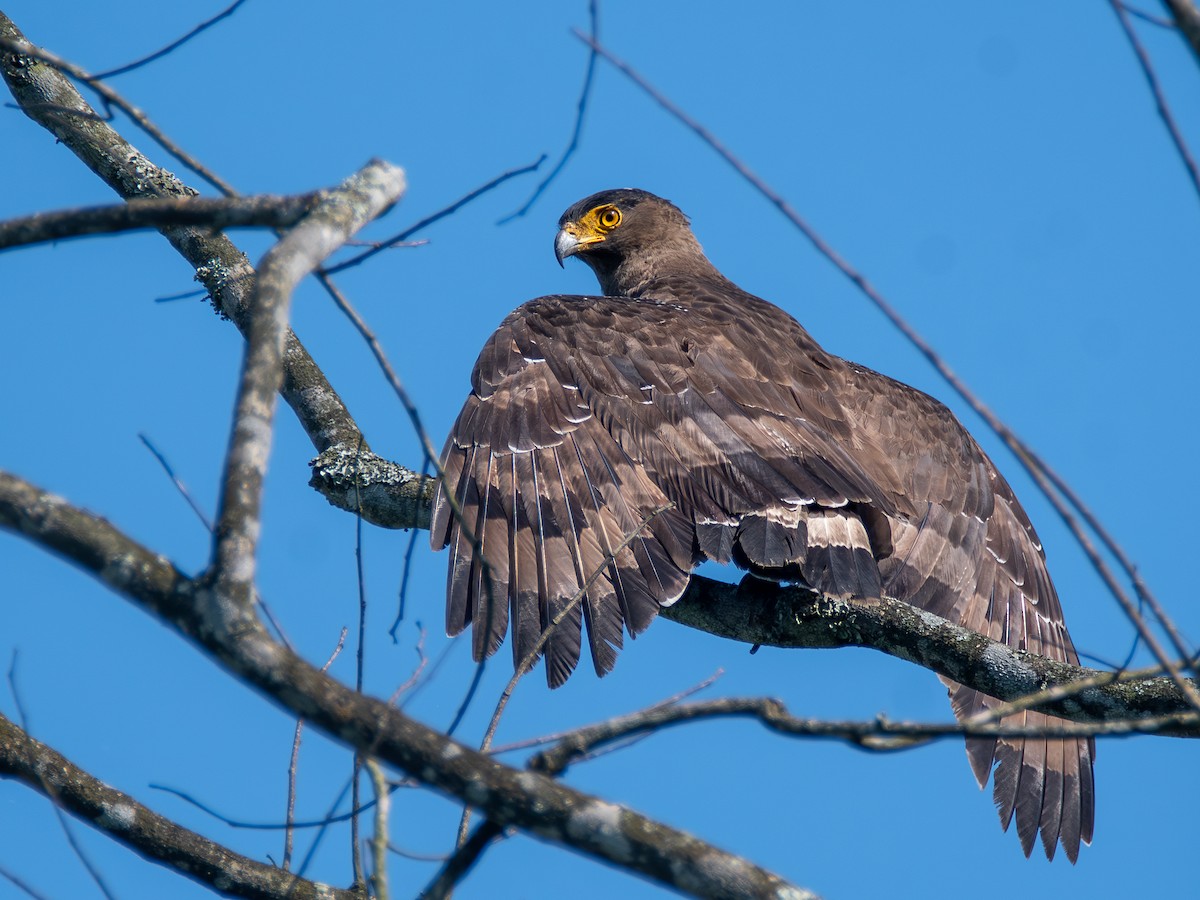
x=682, y=394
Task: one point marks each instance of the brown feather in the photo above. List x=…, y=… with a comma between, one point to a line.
x=588, y=414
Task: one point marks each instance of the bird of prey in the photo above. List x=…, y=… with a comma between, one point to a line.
x=611, y=444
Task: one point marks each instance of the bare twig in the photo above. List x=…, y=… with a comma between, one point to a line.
x=360, y=657
x=431, y=457
x=562, y=735
x=406, y=570
x=379, y=840
x=878, y=734
x=53, y=791
x=460, y=862
x=112, y=97
x=580, y=114
x=414, y=855
x=174, y=45
x=1160, y=98
x=437, y=216
x=263, y=210
x=323, y=822
x=177, y=481
x=422, y=661
x=293, y=764
x=1057, y=692
x=1160, y=21
x=21, y=885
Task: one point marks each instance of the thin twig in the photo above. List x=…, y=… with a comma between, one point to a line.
x=323, y=829
x=1110, y=543
x=142, y=830
x=158, y=54
x=52, y=792
x=177, y=481
x=359, y=759
x=432, y=673
x=414, y=855
x=21, y=885
x=112, y=97
x=1160, y=21
x=406, y=569
x=323, y=822
x=461, y=712
x=431, y=457
x=562, y=735
x=580, y=115
x=440, y=214
x=379, y=840
x=289, y=831
x=1160, y=98
x=412, y=679
x=879, y=734
x=459, y=863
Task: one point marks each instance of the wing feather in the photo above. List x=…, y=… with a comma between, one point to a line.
x=587, y=414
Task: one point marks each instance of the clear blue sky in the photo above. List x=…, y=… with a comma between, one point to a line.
x=998, y=171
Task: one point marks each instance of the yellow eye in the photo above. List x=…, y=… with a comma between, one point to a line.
x=610, y=218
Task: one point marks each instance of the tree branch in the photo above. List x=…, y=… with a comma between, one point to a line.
x=146, y=832
x=879, y=734
x=212, y=214
x=510, y=797
x=758, y=612
x=360, y=199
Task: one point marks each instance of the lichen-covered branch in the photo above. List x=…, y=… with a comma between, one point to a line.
x=387, y=494
x=757, y=612
x=367, y=194
x=146, y=832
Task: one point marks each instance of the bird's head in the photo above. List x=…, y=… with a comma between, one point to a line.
x=627, y=237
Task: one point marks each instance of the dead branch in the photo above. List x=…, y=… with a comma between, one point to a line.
x=144, y=831
x=232, y=636
x=263, y=210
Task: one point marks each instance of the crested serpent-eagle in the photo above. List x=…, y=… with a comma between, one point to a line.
x=678, y=392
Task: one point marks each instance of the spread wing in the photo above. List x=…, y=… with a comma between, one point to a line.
x=589, y=414
x=972, y=556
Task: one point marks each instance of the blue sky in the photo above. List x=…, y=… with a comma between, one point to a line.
x=998, y=172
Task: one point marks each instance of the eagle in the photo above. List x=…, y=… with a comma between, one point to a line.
x=611, y=444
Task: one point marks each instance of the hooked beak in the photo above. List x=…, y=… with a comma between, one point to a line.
x=565, y=244
x=572, y=240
